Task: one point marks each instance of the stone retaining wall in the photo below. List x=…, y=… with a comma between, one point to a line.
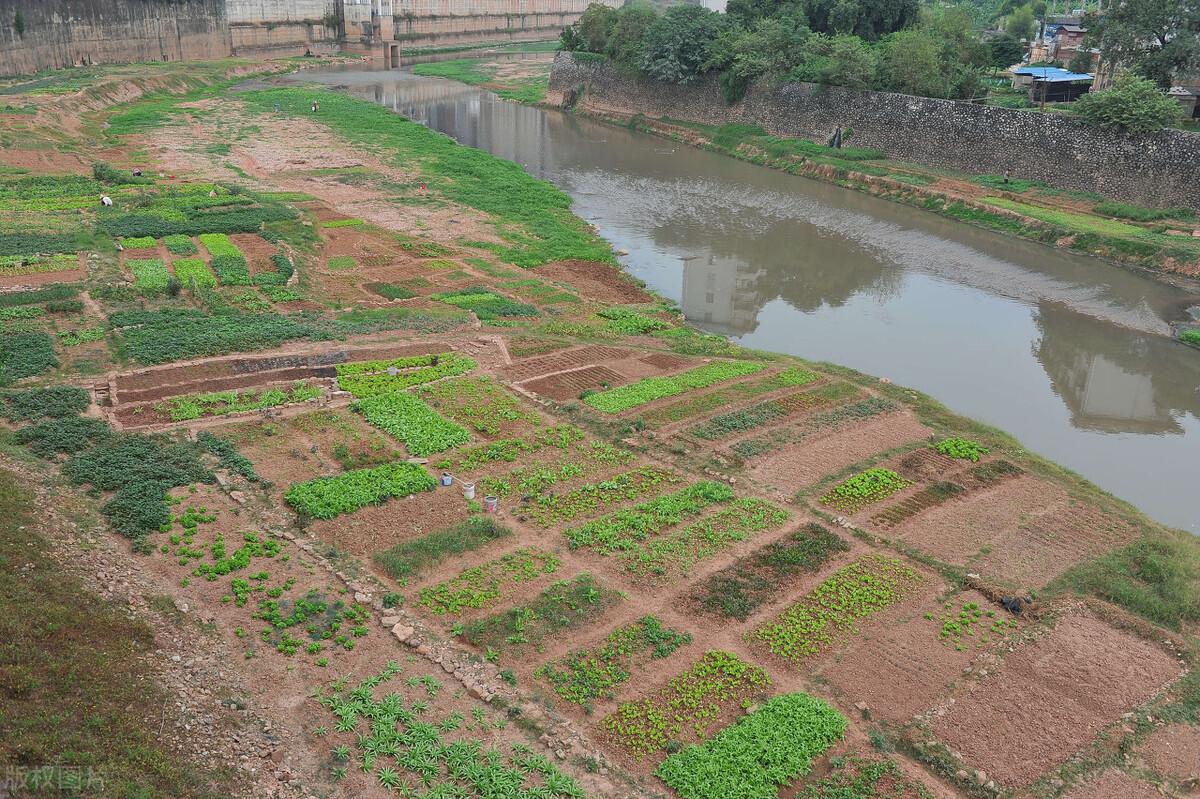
x=1160, y=169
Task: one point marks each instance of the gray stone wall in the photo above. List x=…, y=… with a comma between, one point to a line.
x=1160, y=169
x=62, y=33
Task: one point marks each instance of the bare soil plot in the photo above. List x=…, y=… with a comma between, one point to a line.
x=378, y=527
x=569, y=385
x=802, y=464
x=258, y=251
x=909, y=666
x=1051, y=696
x=598, y=281
x=1113, y=784
x=1174, y=751
x=529, y=368
x=955, y=532
x=294, y=449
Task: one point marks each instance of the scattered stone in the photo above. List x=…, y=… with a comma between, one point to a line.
x=391, y=621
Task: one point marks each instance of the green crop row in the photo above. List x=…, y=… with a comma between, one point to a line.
x=409, y=559
x=371, y=378
x=961, y=448
x=480, y=586
x=477, y=402
x=764, y=751
x=36, y=264
x=690, y=705
x=624, y=530
x=327, y=497
x=654, y=388
x=678, y=550
x=220, y=403
x=738, y=590
x=792, y=377
x=863, y=489
x=150, y=275
x=25, y=354
x=231, y=270
x=73, y=338
x=564, y=605
x=866, y=586
x=421, y=429
x=547, y=509
x=508, y=450
x=139, y=243
x=584, y=675
x=193, y=272
x=58, y=291
x=827, y=420
x=180, y=244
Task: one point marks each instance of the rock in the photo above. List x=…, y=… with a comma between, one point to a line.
x=402, y=631
x=238, y=496
x=960, y=775
x=277, y=756
x=391, y=621
x=361, y=598
x=181, y=606
x=861, y=707
x=448, y=667
x=981, y=776
x=560, y=754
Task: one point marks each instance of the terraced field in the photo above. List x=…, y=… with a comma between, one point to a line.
x=459, y=525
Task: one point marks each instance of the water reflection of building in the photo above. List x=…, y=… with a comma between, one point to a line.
x=721, y=292
x=1116, y=384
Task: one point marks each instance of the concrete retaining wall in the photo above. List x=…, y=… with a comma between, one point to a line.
x=1160, y=169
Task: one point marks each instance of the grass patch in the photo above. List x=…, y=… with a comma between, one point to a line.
x=531, y=216
x=1155, y=578
x=1141, y=214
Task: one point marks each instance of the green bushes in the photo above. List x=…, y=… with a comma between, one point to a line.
x=55, y=402
x=420, y=428
x=68, y=434
x=139, y=243
x=37, y=243
x=193, y=272
x=864, y=488
x=174, y=222
x=64, y=306
x=409, y=559
x=961, y=448
x=25, y=355
x=150, y=275
x=327, y=497
x=152, y=337
x=1190, y=337
x=759, y=754
x=228, y=455
x=653, y=388
x=565, y=604
x=390, y=291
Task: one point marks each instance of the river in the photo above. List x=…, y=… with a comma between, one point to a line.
x=1069, y=354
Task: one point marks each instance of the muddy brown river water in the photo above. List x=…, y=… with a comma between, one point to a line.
x=1071, y=355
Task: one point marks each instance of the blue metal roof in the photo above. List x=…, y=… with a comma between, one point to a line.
x=1052, y=74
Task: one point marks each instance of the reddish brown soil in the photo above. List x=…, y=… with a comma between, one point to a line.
x=40, y=278
x=910, y=666
x=799, y=465
x=1174, y=751
x=379, y=527
x=292, y=450
x=569, y=385
x=597, y=281
x=956, y=532
x=1050, y=697
x=273, y=377
x=1113, y=784
x=258, y=251
x=529, y=368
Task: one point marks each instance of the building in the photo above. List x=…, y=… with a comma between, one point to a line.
x=1052, y=84
x=1188, y=95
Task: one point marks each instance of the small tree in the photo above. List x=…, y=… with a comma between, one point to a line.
x=1134, y=104
x=595, y=26
x=1006, y=50
x=676, y=46
x=19, y=24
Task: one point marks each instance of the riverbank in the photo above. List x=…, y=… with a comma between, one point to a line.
x=364, y=307
x=1162, y=243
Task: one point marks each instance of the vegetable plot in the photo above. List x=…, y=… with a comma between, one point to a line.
x=866, y=586
x=755, y=757
x=420, y=428
x=864, y=488
x=482, y=585
x=371, y=378
x=654, y=388
x=327, y=497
